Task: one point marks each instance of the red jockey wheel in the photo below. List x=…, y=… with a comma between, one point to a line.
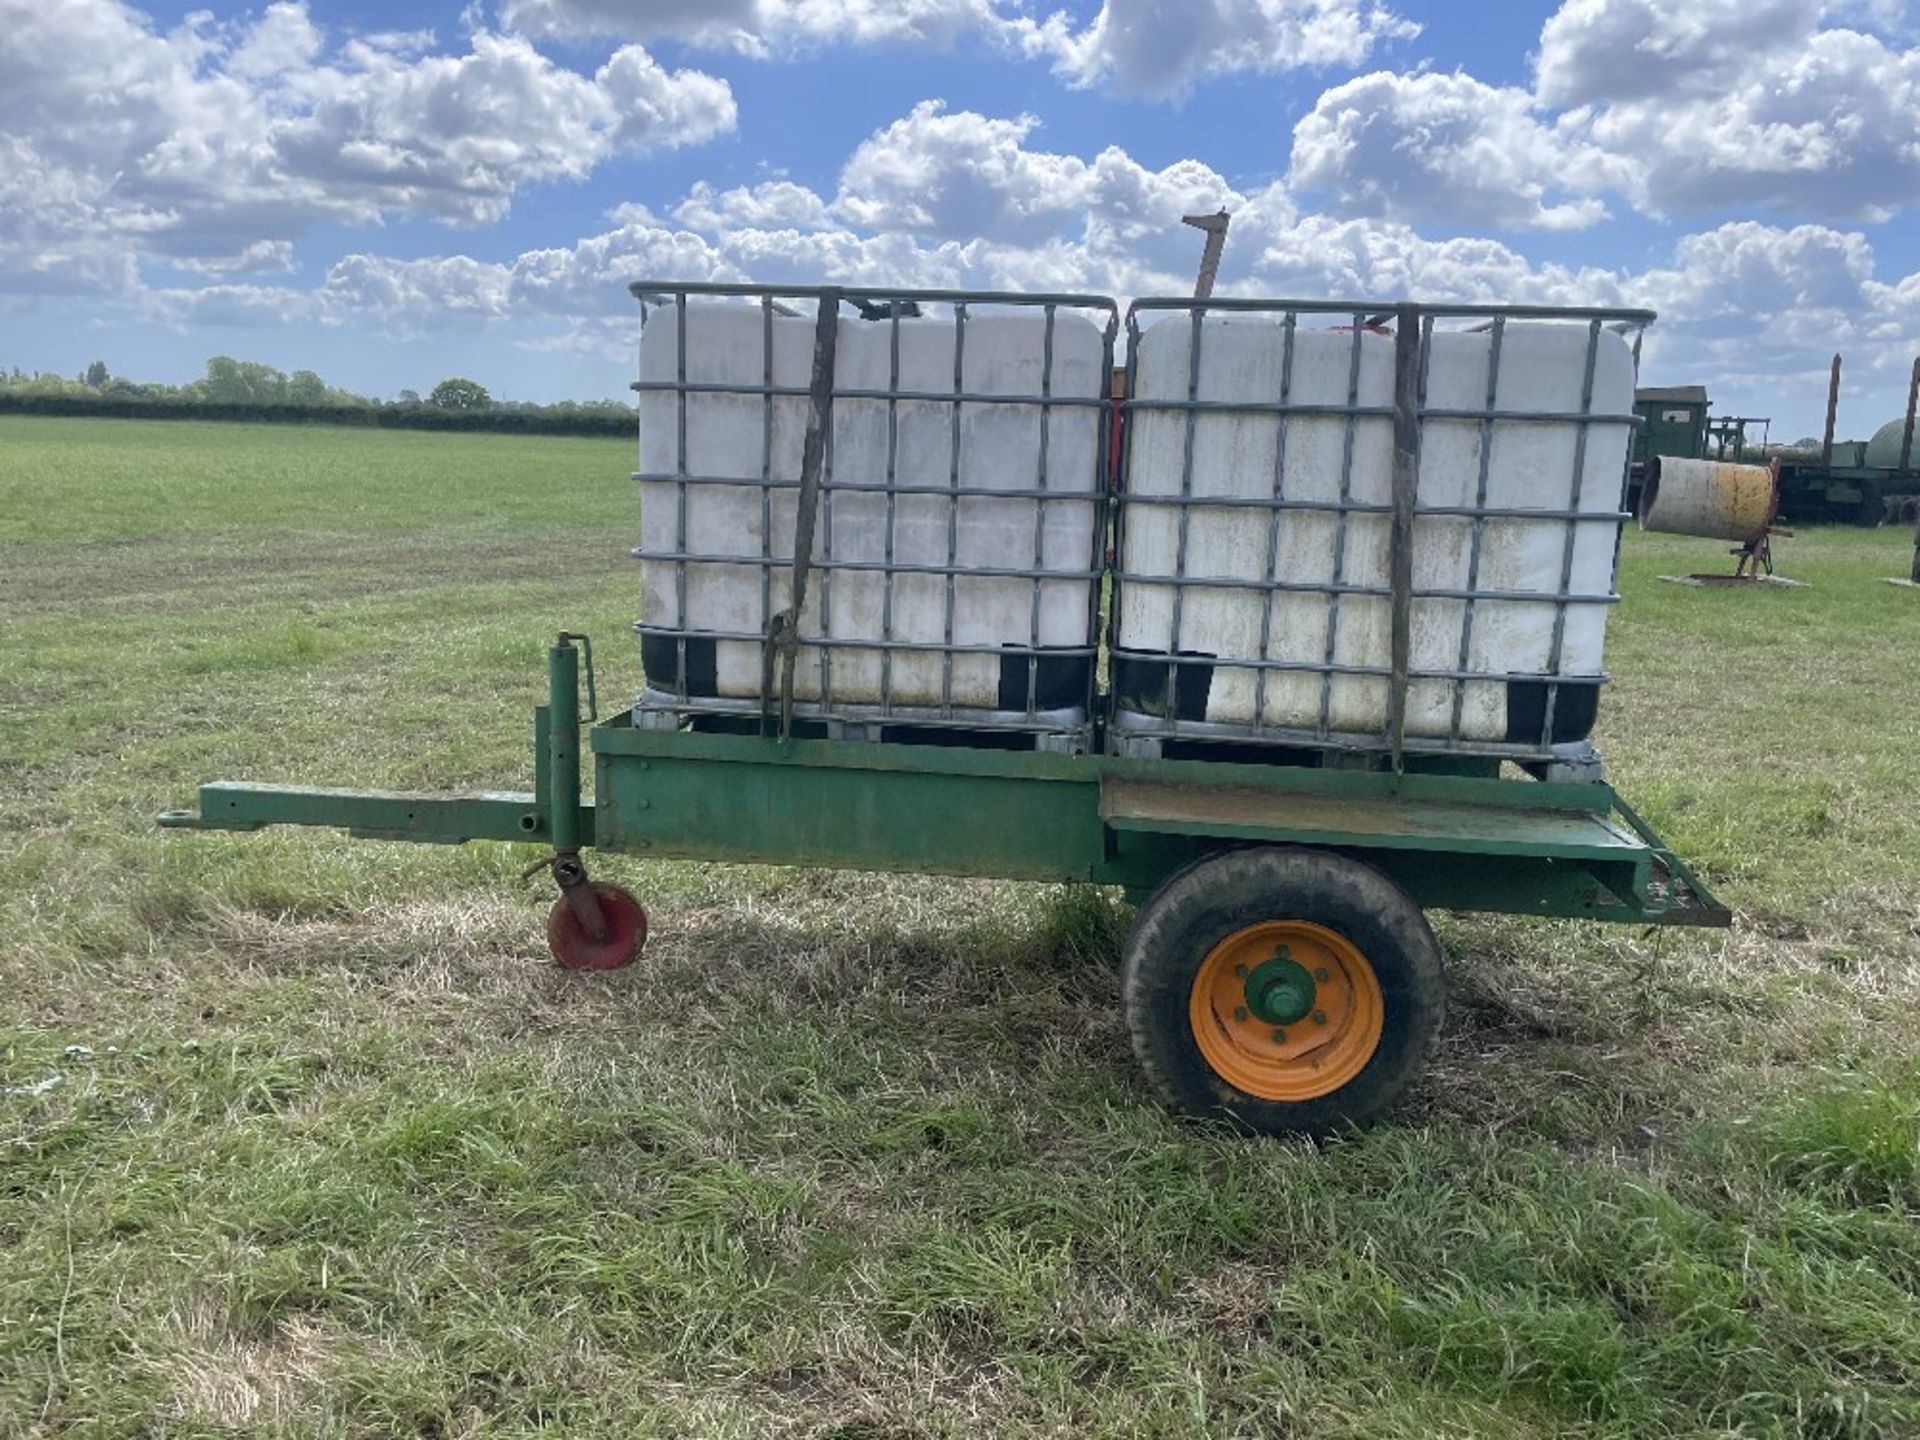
x=573, y=947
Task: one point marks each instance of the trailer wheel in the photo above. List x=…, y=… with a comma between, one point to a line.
x=626, y=921
x=1289, y=989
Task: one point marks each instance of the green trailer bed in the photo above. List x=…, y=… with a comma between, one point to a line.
x=1519, y=846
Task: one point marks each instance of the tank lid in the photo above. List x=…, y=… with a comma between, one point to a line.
x=1883, y=450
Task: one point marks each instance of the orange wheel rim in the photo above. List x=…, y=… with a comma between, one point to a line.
x=1286, y=1010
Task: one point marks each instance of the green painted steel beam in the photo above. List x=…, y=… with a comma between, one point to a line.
x=619, y=737
x=447, y=819
x=763, y=809
x=557, y=729
x=1454, y=842
x=1520, y=846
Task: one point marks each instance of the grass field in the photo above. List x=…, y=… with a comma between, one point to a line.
x=305, y=1136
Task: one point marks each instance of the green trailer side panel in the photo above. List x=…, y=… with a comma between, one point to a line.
x=1518, y=846
x=619, y=737
x=794, y=814
x=1516, y=885
x=1505, y=883
x=1455, y=842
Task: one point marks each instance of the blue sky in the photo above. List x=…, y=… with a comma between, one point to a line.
x=389, y=194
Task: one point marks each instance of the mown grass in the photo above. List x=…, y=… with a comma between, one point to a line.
x=304, y=1136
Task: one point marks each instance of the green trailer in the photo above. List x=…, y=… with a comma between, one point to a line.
x=1280, y=970
x=1844, y=482
x=1863, y=482
x=1840, y=494
x=1288, y=896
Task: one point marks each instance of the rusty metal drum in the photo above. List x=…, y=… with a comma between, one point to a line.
x=1714, y=499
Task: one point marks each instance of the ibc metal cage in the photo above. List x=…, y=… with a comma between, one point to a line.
x=1050, y=700
x=1132, y=731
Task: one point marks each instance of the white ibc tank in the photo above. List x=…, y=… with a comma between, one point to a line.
x=881, y=544
x=1531, y=466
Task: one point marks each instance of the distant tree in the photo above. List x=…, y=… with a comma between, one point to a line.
x=97, y=374
x=45, y=382
x=458, y=393
x=409, y=397
x=306, y=388
x=242, y=382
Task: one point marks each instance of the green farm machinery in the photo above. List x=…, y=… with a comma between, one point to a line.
x=1842, y=482
x=1280, y=970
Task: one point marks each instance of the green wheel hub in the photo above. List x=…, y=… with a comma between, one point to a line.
x=1280, y=991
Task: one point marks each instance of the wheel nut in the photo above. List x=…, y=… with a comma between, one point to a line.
x=1279, y=1037
x=1241, y=971
x=1240, y=1012
x=1322, y=975
x=1319, y=1017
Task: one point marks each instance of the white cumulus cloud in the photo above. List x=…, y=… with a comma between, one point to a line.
x=1161, y=49
x=588, y=280
x=761, y=27
x=1157, y=49
x=961, y=174
x=450, y=292
x=772, y=204
x=1753, y=103
x=1451, y=149
x=231, y=304
x=1614, y=50
x=1774, y=107
x=203, y=141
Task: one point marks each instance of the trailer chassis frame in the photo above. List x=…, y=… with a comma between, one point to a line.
x=1466, y=842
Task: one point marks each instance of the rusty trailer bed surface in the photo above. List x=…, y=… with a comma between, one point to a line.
x=1254, y=813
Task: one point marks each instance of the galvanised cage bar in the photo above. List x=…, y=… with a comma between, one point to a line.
x=1155, y=688
x=1053, y=697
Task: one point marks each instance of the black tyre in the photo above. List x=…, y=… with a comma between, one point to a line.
x=1289, y=989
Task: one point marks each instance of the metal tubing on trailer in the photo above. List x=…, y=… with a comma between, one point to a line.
x=1409, y=413
x=820, y=482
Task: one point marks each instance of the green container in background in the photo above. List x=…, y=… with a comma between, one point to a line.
x=1675, y=422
